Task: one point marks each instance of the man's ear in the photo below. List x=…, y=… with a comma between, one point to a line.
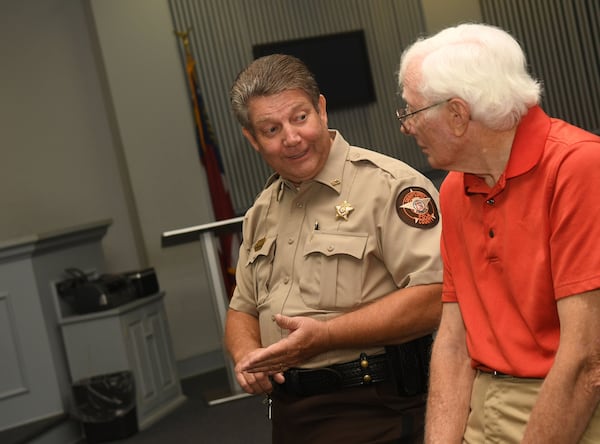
x=323, y=109
x=460, y=115
x=250, y=137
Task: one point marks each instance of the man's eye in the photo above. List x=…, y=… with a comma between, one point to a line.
x=269, y=130
x=301, y=117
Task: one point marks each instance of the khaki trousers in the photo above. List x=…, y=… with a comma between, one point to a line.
x=500, y=408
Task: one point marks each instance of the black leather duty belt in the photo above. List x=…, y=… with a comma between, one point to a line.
x=363, y=371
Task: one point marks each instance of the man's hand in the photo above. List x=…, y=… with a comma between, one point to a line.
x=242, y=339
x=307, y=338
x=257, y=382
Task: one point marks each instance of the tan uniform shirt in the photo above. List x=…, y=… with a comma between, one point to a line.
x=364, y=227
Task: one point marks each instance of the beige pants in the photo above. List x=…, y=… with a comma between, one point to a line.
x=500, y=409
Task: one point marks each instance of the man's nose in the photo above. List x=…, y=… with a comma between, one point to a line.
x=290, y=136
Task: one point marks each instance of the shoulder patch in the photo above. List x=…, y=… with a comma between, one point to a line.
x=416, y=208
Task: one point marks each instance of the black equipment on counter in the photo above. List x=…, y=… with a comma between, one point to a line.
x=144, y=281
x=88, y=294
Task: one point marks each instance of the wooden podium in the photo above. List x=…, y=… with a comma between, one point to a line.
x=207, y=235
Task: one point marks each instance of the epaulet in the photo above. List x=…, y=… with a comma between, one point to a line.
x=393, y=166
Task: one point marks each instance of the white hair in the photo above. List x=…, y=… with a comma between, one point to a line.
x=481, y=64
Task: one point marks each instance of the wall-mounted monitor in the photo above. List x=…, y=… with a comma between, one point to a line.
x=340, y=63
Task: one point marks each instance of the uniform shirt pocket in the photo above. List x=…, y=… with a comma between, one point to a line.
x=260, y=259
x=333, y=273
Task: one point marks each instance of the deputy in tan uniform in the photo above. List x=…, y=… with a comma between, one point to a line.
x=340, y=261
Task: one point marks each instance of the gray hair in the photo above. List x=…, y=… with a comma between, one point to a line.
x=481, y=64
x=269, y=75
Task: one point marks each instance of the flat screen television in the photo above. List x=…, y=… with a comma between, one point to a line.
x=340, y=63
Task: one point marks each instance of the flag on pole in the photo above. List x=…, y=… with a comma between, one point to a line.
x=210, y=158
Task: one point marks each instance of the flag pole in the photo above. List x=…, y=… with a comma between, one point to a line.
x=211, y=160
x=223, y=260
x=190, y=66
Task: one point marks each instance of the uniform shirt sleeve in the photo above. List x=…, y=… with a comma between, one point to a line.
x=416, y=261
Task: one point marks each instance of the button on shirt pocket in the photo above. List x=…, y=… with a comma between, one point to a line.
x=333, y=273
x=260, y=258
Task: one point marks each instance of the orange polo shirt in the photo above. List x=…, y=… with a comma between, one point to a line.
x=511, y=251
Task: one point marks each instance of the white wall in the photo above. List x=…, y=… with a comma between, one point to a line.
x=58, y=165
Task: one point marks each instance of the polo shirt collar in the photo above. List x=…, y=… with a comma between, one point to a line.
x=526, y=152
x=529, y=142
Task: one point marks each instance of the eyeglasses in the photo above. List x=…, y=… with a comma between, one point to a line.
x=407, y=115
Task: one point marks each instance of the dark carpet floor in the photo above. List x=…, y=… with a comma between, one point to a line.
x=240, y=421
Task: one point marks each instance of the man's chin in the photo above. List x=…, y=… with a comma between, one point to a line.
x=432, y=162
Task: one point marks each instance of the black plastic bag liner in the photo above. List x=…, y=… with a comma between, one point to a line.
x=105, y=404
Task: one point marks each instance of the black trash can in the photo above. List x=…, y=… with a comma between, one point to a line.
x=105, y=405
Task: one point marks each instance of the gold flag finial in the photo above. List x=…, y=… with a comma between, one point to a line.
x=185, y=38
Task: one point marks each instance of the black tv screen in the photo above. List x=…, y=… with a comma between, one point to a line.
x=339, y=62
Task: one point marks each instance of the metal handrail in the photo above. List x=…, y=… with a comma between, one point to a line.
x=192, y=234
